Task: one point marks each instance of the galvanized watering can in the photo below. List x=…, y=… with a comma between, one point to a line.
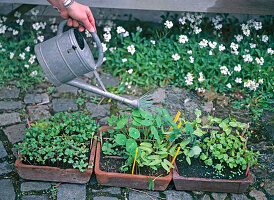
x=67, y=56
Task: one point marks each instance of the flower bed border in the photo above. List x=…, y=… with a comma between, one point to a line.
x=47, y=173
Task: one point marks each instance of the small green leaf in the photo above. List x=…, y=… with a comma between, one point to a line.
x=131, y=144
x=133, y=132
x=120, y=139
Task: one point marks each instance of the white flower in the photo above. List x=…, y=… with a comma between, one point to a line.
x=104, y=47
x=201, y=90
x=27, y=49
x=201, y=77
x=3, y=29
x=152, y=42
x=26, y=66
x=270, y=51
x=239, y=38
x=261, y=81
x=88, y=34
x=139, y=29
x=120, y=29
x=125, y=34
x=252, y=85
x=104, y=59
x=238, y=80
x=131, y=49
x=36, y=26
x=34, y=12
x=252, y=46
x=11, y=55
x=260, y=60
x=52, y=20
x=183, y=39
x=203, y=43
x=34, y=73
x=234, y=46
x=182, y=20
x=237, y=68
x=54, y=28
x=218, y=26
x=191, y=59
x=224, y=70
x=221, y=47
x=107, y=37
x=264, y=38
x=197, y=30
x=189, y=51
x=212, y=44
x=17, y=14
x=40, y=38
x=168, y=24
x=22, y=56
x=189, y=79
x=124, y=60
x=257, y=25
x=15, y=32
x=246, y=32
x=228, y=85
x=112, y=49
x=210, y=53
x=43, y=25
x=32, y=59
x=130, y=71
x=107, y=29
x=247, y=58
x=20, y=22
x=176, y=57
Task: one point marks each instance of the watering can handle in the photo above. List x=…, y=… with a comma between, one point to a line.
x=95, y=37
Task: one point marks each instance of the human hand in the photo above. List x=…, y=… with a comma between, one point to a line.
x=79, y=13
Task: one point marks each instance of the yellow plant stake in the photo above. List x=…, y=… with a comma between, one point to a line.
x=179, y=125
x=175, y=120
x=174, y=157
x=134, y=160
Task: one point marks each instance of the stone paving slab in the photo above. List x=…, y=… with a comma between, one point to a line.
x=111, y=190
x=98, y=110
x=9, y=93
x=5, y=168
x=175, y=195
x=35, y=197
x=35, y=185
x=36, y=98
x=206, y=197
x=66, y=89
x=64, y=104
x=37, y=113
x=6, y=190
x=105, y=198
x=71, y=192
x=15, y=133
x=10, y=105
x=133, y=195
x=3, y=152
x=219, y=196
x=9, y=118
x=238, y=197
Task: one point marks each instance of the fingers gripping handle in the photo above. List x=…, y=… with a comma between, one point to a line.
x=95, y=37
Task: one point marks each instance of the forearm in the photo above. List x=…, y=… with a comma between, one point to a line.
x=59, y=4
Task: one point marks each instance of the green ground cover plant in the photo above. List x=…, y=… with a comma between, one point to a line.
x=63, y=140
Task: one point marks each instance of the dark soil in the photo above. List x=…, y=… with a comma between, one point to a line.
x=199, y=170
x=113, y=164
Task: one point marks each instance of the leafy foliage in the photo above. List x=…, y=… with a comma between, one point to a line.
x=64, y=139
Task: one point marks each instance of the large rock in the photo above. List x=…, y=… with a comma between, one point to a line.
x=9, y=93
x=158, y=95
x=15, y=133
x=5, y=168
x=9, y=118
x=219, y=196
x=176, y=195
x=71, y=192
x=34, y=185
x=10, y=105
x=64, y=104
x=98, y=110
x=3, y=152
x=38, y=112
x=238, y=197
x=6, y=189
x=36, y=98
x=269, y=186
x=35, y=197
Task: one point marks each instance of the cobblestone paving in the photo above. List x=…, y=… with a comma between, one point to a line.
x=16, y=106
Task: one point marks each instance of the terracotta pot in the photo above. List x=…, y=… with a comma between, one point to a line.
x=210, y=185
x=47, y=173
x=127, y=180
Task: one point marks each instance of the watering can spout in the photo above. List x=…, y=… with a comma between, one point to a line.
x=79, y=84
